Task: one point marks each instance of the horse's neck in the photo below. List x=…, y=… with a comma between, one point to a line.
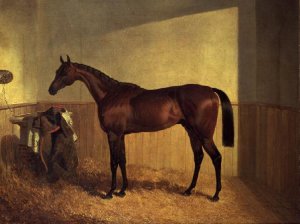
x=95, y=85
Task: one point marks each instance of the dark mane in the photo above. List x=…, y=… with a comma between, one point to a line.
x=110, y=82
x=105, y=78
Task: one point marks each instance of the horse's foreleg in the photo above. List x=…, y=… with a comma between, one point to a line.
x=122, y=163
x=113, y=167
x=216, y=158
x=198, y=157
x=114, y=145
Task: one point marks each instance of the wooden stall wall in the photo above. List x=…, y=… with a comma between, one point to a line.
x=268, y=138
x=9, y=136
x=268, y=147
x=298, y=158
x=167, y=149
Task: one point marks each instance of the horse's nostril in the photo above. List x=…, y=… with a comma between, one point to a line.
x=51, y=91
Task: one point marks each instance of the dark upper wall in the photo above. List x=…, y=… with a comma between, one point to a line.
x=277, y=51
x=247, y=51
x=268, y=52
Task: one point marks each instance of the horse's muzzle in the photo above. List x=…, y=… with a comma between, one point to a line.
x=52, y=91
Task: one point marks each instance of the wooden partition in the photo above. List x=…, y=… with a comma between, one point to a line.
x=167, y=149
x=9, y=136
x=269, y=147
x=265, y=143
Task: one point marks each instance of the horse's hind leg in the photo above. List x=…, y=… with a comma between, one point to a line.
x=198, y=157
x=216, y=158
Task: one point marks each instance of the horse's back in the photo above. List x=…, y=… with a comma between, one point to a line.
x=136, y=110
x=156, y=109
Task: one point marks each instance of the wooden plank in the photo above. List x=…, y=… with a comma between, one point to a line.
x=189, y=157
x=139, y=138
x=15, y=135
x=80, y=131
x=236, y=140
x=5, y=143
x=177, y=150
x=76, y=126
x=172, y=148
x=276, y=155
x=163, y=144
x=264, y=153
x=298, y=162
x=82, y=111
x=153, y=150
x=259, y=147
x=3, y=168
x=181, y=148
x=251, y=122
x=242, y=142
x=282, y=153
x=189, y=160
x=90, y=130
x=13, y=139
x=97, y=144
x=130, y=148
x=10, y=139
x=12, y=106
x=146, y=150
x=261, y=152
x=247, y=140
x=272, y=145
x=161, y=147
x=291, y=186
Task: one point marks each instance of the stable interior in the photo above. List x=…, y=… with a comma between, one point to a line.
x=249, y=49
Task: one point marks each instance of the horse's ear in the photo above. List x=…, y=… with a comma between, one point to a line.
x=68, y=59
x=61, y=60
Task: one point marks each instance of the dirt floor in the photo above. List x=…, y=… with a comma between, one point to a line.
x=152, y=197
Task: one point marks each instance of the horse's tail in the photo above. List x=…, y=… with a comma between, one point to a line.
x=227, y=118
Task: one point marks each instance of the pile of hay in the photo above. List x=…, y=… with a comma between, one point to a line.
x=152, y=197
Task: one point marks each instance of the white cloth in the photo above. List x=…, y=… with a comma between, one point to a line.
x=67, y=116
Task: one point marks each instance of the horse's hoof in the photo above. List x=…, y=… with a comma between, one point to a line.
x=108, y=196
x=120, y=194
x=187, y=193
x=215, y=198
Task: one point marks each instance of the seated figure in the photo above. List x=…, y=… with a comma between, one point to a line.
x=61, y=160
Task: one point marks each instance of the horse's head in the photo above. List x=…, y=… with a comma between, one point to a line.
x=65, y=76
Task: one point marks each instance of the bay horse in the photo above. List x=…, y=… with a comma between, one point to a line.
x=125, y=108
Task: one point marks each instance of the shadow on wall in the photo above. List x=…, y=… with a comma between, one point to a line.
x=112, y=16
x=8, y=152
x=136, y=13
